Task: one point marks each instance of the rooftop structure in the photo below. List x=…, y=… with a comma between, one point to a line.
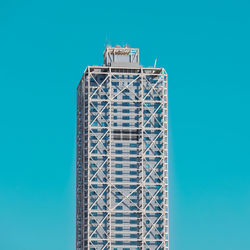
x=117, y=56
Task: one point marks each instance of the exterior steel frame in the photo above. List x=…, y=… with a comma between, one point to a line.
x=95, y=209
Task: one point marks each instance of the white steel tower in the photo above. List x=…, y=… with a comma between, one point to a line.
x=122, y=155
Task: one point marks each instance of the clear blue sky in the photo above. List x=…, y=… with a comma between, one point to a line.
x=204, y=46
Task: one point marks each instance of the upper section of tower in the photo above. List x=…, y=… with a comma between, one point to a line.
x=121, y=56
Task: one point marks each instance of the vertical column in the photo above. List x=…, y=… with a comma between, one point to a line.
x=85, y=154
x=110, y=159
x=88, y=156
x=142, y=160
x=79, y=170
x=165, y=159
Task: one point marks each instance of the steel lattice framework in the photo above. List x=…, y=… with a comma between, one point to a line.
x=122, y=173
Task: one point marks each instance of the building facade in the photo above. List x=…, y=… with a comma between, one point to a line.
x=122, y=155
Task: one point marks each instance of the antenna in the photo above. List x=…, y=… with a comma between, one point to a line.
x=155, y=62
x=107, y=41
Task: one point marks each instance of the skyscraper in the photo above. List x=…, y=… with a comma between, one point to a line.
x=122, y=166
